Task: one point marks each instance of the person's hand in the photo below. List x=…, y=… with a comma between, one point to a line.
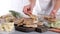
x=28, y=9
x=53, y=13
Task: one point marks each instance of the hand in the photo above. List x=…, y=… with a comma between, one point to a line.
x=28, y=9
x=53, y=13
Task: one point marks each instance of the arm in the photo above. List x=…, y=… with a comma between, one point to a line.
x=32, y=2
x=56, y=7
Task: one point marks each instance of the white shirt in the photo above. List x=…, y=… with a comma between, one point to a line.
x=43, y=7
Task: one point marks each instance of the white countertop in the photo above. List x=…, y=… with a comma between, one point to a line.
x=48, y=32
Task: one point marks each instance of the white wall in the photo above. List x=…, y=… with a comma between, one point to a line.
x=4, y=6
x=17, y=5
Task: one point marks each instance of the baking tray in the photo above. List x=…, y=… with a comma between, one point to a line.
x=23, y=29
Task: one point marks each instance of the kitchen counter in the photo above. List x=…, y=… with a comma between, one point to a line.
x=48, y=32
x=17, y=32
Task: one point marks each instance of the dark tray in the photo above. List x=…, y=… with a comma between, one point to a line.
x=41, y=29
x=23, y=29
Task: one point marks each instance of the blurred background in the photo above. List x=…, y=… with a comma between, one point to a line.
x=16, y=5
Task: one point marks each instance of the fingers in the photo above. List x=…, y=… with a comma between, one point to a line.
x=53, y=14
x=27, y=10
x=30, y=12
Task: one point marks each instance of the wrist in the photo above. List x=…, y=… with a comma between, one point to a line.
x=32, y=5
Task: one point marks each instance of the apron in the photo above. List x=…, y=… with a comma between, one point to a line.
x=43, y=7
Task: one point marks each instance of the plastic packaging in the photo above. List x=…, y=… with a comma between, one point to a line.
x=6, y=27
